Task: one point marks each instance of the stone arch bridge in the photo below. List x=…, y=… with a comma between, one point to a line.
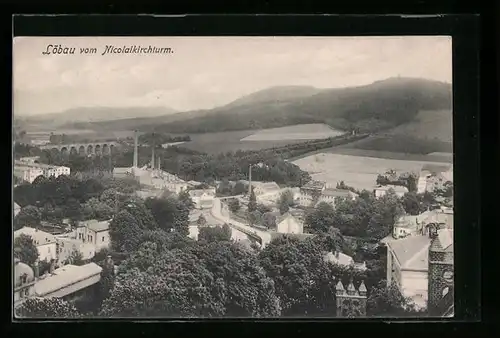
x=94, y=148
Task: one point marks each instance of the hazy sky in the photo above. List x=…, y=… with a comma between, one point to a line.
x=204, y=72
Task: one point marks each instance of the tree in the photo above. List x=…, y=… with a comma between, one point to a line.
x=411, y=203
x=201, y=221
x=269, y=220
x=47, y=308
x=25, y=249
x=252, y=202
x=124, y=232
x=176, y=284
x=302, y=279
x=214, y=234
x=170, y=214
x=141, y=213
x=29, y=216
x=76, y=258
x=254, y=217
x=263, y=208
x=387, y=301
x=186, y=200
x=239, y=188
x=234, y=205
x=285, y=201
x=245, y=289
x=321, y=218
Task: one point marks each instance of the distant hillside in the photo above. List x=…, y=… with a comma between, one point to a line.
x=80, y=117
x=275, y=95
x=379, y=106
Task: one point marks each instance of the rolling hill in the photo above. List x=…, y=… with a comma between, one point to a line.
x=87, y=116
x=372, y=108
x=396, y=105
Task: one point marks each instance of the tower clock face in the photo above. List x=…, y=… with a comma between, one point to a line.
x=448, y=276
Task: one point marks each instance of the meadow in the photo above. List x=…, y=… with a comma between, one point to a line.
x=359, y=172
x=313, y=131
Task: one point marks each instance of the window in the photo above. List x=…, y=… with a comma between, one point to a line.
x=27, y=291
x=103, y=238
x=48, y=249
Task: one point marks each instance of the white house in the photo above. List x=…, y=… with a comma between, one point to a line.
x=45, y=243
x=407, y=266
x=266, y=188
x=434, y=177
x=57, y=171
x=24, y=282
x=344, y=260
x=330, y=194
x=66, y=246
x=94, y=232
x=382, y=190
x=30, y=174
x=202, y=198
x=288, y=224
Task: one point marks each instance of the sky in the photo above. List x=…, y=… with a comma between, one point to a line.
x=206, y=72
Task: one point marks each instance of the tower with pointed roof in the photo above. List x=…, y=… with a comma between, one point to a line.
x=351, y=302
x=440, y=273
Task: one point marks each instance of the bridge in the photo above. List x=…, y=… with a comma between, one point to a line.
x=222, y=214
x=94, y=148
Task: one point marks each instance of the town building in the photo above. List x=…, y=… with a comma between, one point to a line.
x=350, y=302
x=407, y=267
x=68, y=282
x=288, y=224
x=382, y=190
x=408, y=225
x=24, y=282
x=266, y=188
x=340, y=258
x=17, y=209
x=94, y=232
x=28, y=171
x=45, y=243
x=202, y=198
x=329, y=195
x=66, y=246
x=433, y=176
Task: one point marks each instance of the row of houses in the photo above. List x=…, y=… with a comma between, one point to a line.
x=28, y=171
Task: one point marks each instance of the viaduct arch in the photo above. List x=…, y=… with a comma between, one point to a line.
x=83, y=149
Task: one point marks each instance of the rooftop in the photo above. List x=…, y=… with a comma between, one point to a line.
x=38, y=236
x=411, y=252
x=396, y=188
x=343, y=259
x=269, y=186
x=16, y=206
x=315, y=185
x=444, y=240
x=95, y=225
x=337, y=192
x=200, y=192
x=65, y=276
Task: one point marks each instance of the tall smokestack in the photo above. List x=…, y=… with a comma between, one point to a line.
x=134, y=166
x=153, y=158
x=249, y=180
x=159, y=163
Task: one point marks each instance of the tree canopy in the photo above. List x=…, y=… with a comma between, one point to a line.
x=25, y=249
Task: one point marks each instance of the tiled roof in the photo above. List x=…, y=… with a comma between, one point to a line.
x=65, y=276
x=444, y=240
x=343, y=259
x=411, y=252
x=38, y=236
x=97, y=226
x=336, y=192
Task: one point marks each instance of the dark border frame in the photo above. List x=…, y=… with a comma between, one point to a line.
x=466, y=43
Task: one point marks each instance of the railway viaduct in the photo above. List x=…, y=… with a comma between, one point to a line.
x=93, y=148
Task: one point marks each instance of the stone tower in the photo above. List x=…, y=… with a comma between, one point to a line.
x=351, y=303
x=440, y=273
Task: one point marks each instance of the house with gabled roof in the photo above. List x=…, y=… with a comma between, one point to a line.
x=17, y=209
x=289, y=224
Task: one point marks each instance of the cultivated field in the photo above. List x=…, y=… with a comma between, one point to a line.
x=356, y=171
x=215, y=143
x=298, y=132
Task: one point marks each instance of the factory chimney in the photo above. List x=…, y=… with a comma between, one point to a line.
x=134, y=166
x=159, y=163
x=153, y=158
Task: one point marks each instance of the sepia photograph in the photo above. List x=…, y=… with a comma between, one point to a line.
x=232, y=177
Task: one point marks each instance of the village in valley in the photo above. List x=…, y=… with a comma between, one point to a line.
x=150, y=223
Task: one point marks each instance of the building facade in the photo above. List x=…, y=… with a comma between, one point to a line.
x=95, y=233
x=381, y=191
x=45, y=243
x=288, y=224
x=24, y=282
x=202, y=198
x=350, y=302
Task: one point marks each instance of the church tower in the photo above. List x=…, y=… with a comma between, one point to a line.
x=440, y=273
x=351, y=303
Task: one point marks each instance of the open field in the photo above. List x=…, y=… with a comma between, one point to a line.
x=214, y=143
x=297, y=132
x=359, y=172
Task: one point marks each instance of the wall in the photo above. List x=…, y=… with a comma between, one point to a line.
x=46, y=252
x=414, y=285
x=290, y=226
x=23, y=292
x=99, y=242
x=74, y=287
